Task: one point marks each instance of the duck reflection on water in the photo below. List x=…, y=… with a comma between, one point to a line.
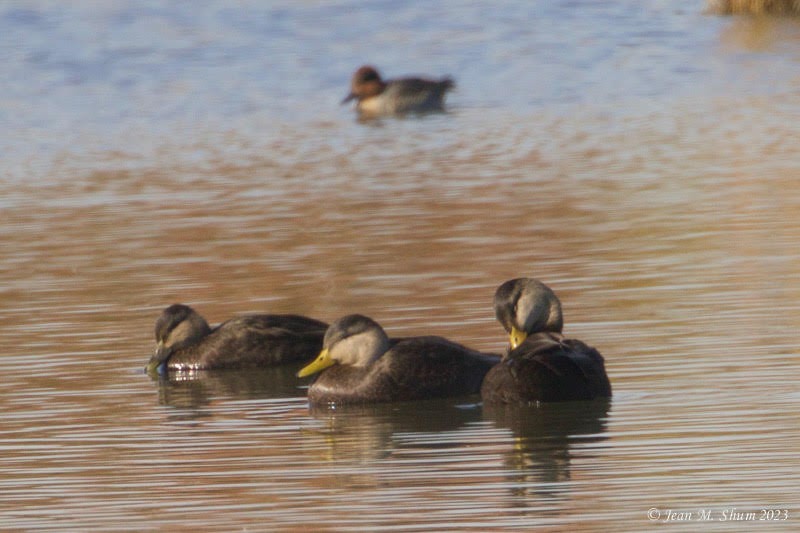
x=364, y=432
x=544, y=439
x=533, y=447
x=192, y=392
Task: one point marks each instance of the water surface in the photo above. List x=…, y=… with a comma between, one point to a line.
x=640, y=158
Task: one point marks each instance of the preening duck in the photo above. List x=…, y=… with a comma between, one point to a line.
x=542, y=365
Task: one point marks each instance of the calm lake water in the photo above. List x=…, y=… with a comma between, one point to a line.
x=639, y=157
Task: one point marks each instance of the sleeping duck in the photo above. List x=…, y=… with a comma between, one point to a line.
x=359, y=363
x=185, y=341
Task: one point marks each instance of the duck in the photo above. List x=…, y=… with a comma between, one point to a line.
x=541, y=365
x=185, y=341
x=376, y=97
x=360, y=364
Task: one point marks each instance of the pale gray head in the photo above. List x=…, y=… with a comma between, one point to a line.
x=525, y=306
x=353, y=340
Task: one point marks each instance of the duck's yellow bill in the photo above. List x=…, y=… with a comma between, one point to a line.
x=322, y=362
x=516, y=337
x=158, y=358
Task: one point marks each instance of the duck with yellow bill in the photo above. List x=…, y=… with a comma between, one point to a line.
x=359, y=363
x=542, y=365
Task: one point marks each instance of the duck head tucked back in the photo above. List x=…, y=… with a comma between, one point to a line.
x=524, y=306
x=354, y=340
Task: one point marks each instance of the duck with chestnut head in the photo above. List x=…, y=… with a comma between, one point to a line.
x=378, y=97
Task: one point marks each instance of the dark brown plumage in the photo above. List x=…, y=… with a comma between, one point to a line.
x=368, y=367
x=541, y=365
x=185, y=340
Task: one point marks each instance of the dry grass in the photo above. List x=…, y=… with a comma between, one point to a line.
x=754, y=7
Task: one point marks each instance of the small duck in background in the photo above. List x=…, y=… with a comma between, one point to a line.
x=185, y=341
x=541, y=365
x=366, y=366
x=376, y=97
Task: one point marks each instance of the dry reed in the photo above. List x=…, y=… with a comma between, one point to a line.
x=754, y=7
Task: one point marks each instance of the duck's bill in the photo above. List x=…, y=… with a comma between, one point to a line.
x=322, y=362
x=154, y=366
x=516, y=337
x=158, y=362
x=348, y=98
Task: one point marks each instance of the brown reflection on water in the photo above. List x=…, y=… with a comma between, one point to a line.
x=674, y=256
x=540, y=459
x=422, y=252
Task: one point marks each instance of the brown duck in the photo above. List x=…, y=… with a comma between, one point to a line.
x=541, y=365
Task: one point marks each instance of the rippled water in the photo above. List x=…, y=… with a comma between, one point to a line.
x=640, y=158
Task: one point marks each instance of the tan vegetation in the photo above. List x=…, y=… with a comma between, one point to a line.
x=755, y=7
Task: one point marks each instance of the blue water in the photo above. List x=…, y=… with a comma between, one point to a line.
x=132, y=80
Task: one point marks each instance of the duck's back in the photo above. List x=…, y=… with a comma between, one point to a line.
x=408, y=95
x=547, y=367
x=412, y=369
x=254, y=341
